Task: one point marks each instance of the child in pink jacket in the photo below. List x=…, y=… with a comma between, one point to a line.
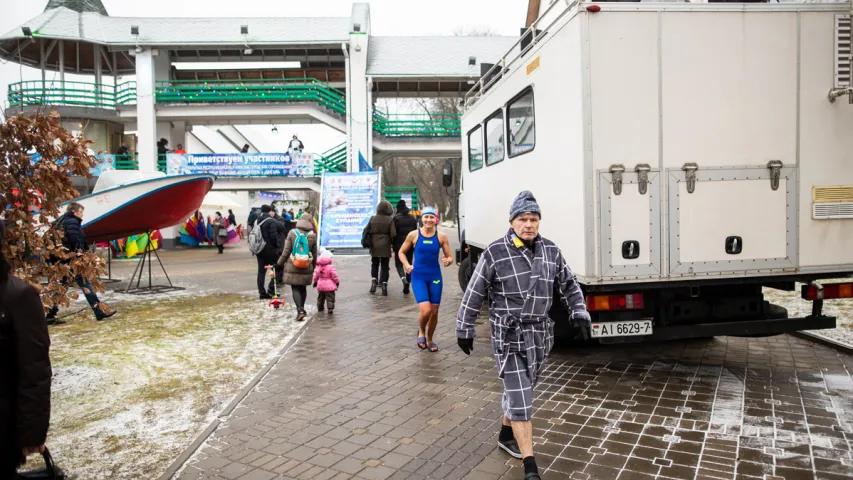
x=326, y=282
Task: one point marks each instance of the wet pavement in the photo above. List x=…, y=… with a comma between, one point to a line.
x=355, y=398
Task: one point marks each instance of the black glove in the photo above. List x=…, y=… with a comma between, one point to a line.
x=314, y=284
x=582, y=325
x=466, y=344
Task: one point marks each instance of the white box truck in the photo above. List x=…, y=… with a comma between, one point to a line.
x=685, y=156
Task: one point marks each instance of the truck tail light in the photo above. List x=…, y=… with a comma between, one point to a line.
x=603, y=303
x=832, y=290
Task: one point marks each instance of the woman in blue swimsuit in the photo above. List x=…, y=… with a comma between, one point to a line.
x=428, y=243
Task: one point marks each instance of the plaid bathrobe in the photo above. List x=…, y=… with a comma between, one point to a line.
x=521, y=283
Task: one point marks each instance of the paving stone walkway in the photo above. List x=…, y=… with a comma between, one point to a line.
x=355, y=398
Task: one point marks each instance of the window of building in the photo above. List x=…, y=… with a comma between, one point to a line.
x=495, y=138
x=521, y=125
x=475, y=149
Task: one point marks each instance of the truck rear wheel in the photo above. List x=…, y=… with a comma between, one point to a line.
x=466, y=271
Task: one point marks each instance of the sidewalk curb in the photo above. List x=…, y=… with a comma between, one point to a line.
x=834, y=344
x=179, y=462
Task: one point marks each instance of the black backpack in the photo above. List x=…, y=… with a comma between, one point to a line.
x=366, y=237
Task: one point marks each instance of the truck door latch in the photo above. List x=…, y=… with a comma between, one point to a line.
x=690, y=175
x=616, y=171
x=642, y=170
x=775, y=167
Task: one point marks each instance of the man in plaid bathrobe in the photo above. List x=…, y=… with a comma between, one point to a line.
x=520, y=273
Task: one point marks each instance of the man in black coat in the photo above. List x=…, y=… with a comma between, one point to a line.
x=281, y=230
x=405, y=223
x=74, y=240
x=25, y=371
x=268, y=256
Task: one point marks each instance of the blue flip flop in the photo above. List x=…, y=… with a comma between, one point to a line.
x=422, y=343
x=433, y=347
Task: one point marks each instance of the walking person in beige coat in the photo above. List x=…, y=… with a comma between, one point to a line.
x=299, y=257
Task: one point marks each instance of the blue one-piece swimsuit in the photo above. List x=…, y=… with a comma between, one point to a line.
x=426, y=277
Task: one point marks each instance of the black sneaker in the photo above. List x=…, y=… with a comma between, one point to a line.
x=105, y=316
x=405, y=287
x=56, y=321
x=265, y=296
x=510, y=447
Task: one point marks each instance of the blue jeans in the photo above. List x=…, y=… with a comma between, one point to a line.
x=91, y=297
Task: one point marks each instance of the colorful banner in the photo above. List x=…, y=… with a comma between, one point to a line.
x=242, y=164
x=103, y=162
x=348, y=202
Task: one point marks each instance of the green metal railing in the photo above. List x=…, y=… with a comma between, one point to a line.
x=417, y=125
x=127, y=162
x=262, y=90
x=332, y=160
x=394, y=194
x=37, y=92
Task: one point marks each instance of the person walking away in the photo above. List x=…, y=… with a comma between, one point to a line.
x=295, y=144
x=520, y=273
x=74, y=240
x=299, y=215
x=298, y=258
x=220, y=232
x=281, y=230
x=180, y=149
x=404, y=223
x=25, y=373
x=254, y=213
x=263, y=243
x=382, y=234
x=326, y=281
x=428, y=243
x=232, y=219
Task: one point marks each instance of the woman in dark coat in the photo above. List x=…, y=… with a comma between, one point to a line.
x=220, y=232
x=382, y=233
x=24, y=370
x=404, y=222
x=299, y=278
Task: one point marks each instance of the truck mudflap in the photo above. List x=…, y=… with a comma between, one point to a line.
x=736, y=328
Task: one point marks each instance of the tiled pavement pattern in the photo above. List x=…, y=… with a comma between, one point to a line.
x=355, y=398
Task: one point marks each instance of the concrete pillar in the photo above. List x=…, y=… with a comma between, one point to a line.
x=146, y=114
x=369, y=154
x=360, y=111
x=178, y=135
x=96, y=52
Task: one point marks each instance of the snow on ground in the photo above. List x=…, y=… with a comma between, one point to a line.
x=797, y=307
x=130, y=393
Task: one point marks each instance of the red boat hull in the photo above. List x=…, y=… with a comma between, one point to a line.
x=162, y=208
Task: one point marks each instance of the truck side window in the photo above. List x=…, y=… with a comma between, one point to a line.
x=495, y=138
x=521, y=124
x=475, y=149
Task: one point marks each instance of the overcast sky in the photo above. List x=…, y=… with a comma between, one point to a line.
x=388, y=17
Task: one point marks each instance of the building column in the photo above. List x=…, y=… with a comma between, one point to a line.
x=146, y=114
x=360, y=111
x=99, y=80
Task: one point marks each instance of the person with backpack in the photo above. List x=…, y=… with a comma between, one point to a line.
x=326, y=281
x=74, y=240
x=263, y=243
x=298, y=257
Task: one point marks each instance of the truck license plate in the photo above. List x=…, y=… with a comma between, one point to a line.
x=622, y=329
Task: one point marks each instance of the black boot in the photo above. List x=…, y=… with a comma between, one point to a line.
x=385, y=289
x=405, y=286
x=373, y=286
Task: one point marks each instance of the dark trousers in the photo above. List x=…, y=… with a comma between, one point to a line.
x=375, y=263
x=264, y=259
x=88, y=292
x=300, y=294
x=325, y=298
x=410, y=255
x=221, y=248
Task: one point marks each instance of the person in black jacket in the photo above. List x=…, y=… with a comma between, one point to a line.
x=281, y=231
x=75, y=241
x=269, y=231
x=25, y=371
x=405, y=223
x=232, y=219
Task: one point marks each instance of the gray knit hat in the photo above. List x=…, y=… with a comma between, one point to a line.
x=525, y=202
